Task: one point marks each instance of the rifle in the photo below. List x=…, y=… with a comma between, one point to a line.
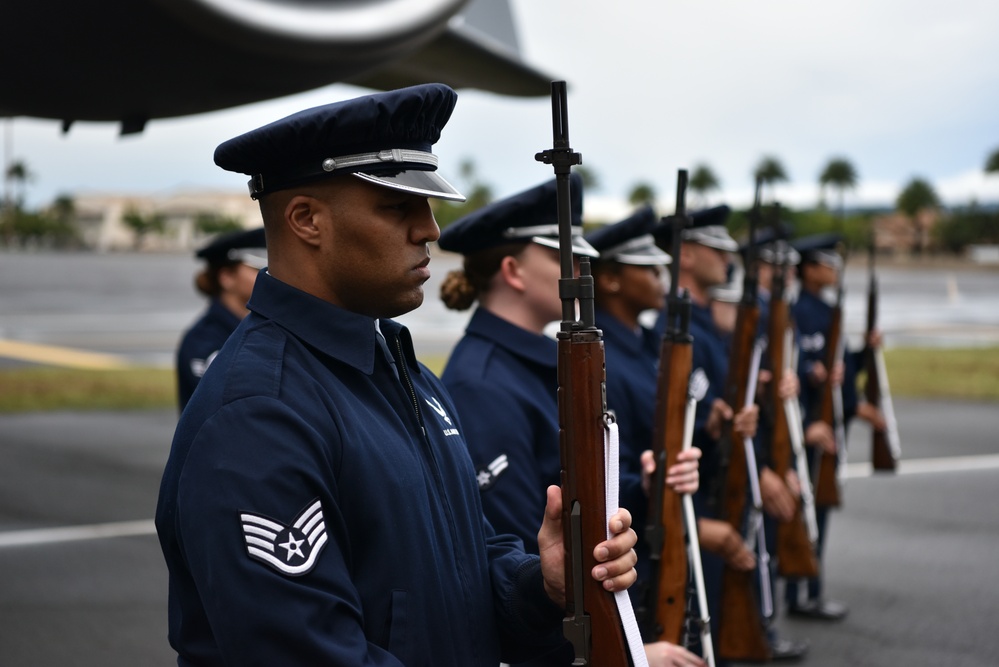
x=795, y=551
x=741, y=631
x=825, y=476
x=593, y=622
x=885, y=446
x=663, y=608
x=793, y=410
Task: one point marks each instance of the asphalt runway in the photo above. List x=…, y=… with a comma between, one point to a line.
x=82, y=580
x=136, y=306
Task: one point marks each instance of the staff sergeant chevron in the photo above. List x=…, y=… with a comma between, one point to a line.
x=291, y=549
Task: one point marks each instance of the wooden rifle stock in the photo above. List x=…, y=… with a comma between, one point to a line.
x=593, y=622
x=795, y=554
x=741, y=632
x=666, y=597
x=884, y=453
x=826, y=481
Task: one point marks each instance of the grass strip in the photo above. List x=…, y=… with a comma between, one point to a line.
x=960, y=374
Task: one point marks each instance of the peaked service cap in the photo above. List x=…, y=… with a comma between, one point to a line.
x=241, y=247
x=384, y=138
x=707, y=228
x=820, y=249
x=528, y=216
x=771, y=244
x=630, y=241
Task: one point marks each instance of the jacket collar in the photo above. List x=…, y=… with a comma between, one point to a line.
x=536, y=348
x=334, y=331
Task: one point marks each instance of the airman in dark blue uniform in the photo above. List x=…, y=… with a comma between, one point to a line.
x=706, y=272
x=780, y=497
x=232, y=263
x=319, y=506
x=628, y=282
x=818, y=272
x=706, y=248
x=505, y=369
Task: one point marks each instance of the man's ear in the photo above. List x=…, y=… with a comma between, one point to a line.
x=302, y=214
x=510, y=273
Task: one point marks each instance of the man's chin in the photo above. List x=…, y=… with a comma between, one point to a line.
x=405, y=304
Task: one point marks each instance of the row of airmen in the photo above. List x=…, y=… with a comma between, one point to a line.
x=497, y=397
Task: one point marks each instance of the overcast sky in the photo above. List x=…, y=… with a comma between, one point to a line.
x=901, y=88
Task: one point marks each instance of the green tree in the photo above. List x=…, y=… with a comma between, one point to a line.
x=143, y=225
x=770, y=171
x=642, y=193
x=992, y=164
x=840, y=175
x=63, y=208
x=477, y=195
x=702, y=181
x=971, y=225
x=591, y=181
x=916, y=196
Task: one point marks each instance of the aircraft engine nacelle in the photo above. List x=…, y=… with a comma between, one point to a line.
x=134, y=60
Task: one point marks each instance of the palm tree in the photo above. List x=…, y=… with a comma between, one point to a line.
x=770, y=171
x=841, y=175
x=915, y=197
x=19, y=174
x=642, y=193
x=702, y=181
x=992, y=164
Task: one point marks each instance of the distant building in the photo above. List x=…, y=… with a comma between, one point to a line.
x=100, y=217
x=895, y=232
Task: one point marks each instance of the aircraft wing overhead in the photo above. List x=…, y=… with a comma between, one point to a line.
x=465, y=56
x=130, y=61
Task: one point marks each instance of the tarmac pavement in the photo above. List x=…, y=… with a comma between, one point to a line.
x=914, y=555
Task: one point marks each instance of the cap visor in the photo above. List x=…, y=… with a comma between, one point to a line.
x=726, y=245
x=644, y=257
x=416, y=182
x=579, y=245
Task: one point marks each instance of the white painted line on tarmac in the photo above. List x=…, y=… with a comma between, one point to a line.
x=96, y=531
x=930, y=465
x=131, y=528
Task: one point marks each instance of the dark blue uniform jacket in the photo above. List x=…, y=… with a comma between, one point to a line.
x=632, y=371
x=813, y=317
x=318, y=510
x=199, y=346
x=504, y=382
x=711, y=352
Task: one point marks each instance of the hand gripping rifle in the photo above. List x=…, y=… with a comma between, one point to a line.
x=663, y=607
x=828, y=467
x=597, y=621
x=741, y=631
x=885, y=446
x=795, y=549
